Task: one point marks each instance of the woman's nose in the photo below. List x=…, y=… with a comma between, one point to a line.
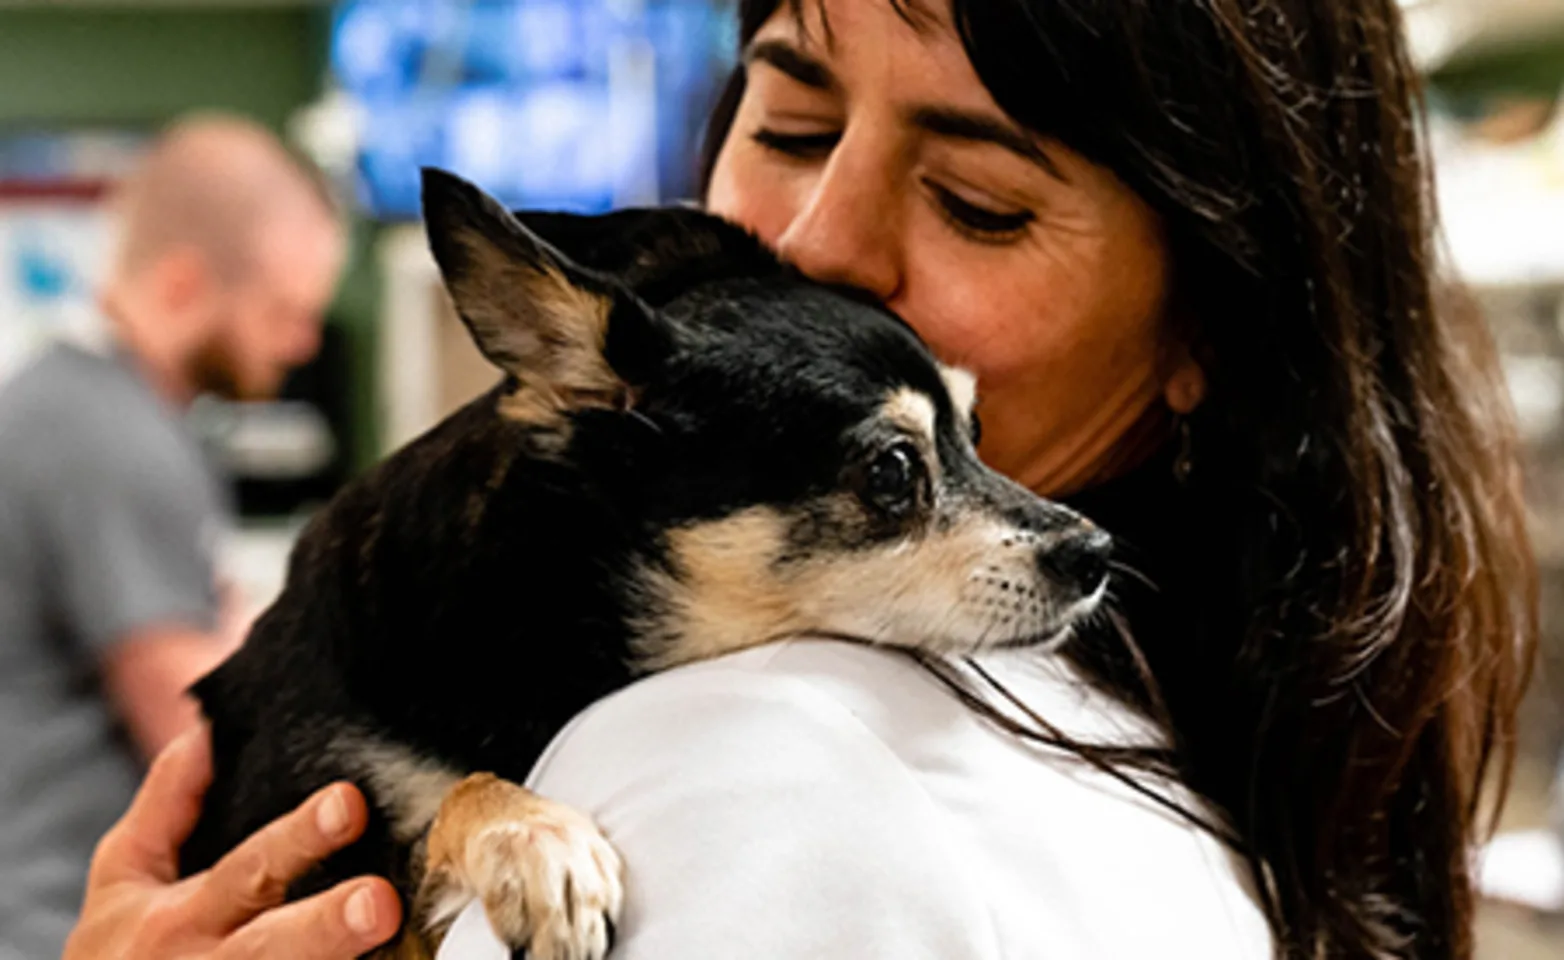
x=847, y=230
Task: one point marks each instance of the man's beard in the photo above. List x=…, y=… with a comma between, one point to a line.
x=214, y=369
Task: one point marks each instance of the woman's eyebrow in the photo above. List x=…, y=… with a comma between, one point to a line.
x=957, y=124
x=943, y=121
x=793, y=62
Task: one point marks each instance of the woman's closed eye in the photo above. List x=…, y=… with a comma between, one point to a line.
x=978, y=221
x=971, y=219
x=808, y=146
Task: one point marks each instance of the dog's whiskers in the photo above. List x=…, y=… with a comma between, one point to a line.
x=645, y=419
x=1119, y=566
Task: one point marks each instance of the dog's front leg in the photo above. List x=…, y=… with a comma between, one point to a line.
x=410, y=944
x=546, y=876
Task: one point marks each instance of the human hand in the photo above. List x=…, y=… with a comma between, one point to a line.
x=137, y=908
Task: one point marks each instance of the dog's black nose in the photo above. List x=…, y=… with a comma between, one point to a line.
x=1079, y=561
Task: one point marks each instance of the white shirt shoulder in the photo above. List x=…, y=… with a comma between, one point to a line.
x=827, y=800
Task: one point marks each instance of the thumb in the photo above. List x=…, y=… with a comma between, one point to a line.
x=145, y=843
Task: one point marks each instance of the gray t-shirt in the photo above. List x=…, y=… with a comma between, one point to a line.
x=109, y=519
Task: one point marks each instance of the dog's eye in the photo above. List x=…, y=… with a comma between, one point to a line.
x=893, y=477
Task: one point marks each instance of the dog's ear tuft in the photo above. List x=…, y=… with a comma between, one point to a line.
x=531, y=311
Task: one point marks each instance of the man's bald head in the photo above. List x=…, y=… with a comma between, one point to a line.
x=209, y=186
x=228, y=254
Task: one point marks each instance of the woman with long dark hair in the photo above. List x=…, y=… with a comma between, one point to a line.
x=1187, y=247
x=1344, y=611
x=1345, y=607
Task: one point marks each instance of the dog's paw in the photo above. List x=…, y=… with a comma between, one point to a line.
x=549, y=882
x=547, y=878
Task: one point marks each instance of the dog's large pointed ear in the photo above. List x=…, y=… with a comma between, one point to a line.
x=533, y=312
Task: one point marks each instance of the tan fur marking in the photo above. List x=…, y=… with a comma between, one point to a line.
x=725, y=596
x=546, y=877
x=913, y=412
x=554, y=330
x=471, y=805
x=931, y=592
x=961, y=585
x=408, y=945
x=962, y=387
x=533, y=406
x=566, y=370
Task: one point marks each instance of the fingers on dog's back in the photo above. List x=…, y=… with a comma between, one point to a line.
x=255, y=875
x=145, y=843
x=346, y=921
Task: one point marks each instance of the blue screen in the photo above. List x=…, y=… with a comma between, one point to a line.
x=579, y=105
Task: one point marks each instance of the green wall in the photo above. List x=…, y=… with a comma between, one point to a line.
x=80, y=65
x=1530, y=67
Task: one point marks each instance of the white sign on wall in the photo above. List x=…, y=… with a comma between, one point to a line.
x=51, y=256
x=54, y=231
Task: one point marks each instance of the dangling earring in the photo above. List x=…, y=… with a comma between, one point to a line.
x=1185, y=388
x=1184, y=462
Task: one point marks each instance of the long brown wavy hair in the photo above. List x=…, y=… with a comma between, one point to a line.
x=1355, y=615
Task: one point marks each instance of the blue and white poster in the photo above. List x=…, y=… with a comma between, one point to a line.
x=54, y=234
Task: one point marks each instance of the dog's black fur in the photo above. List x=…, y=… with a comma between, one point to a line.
x=484, y=584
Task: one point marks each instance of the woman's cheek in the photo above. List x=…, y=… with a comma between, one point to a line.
x=970, y=320
x=759, y=195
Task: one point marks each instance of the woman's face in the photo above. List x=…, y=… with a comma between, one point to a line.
x=877, y=158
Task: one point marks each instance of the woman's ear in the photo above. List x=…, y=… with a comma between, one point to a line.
x=1185, y=387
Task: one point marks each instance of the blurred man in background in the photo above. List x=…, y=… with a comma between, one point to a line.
x=228, y=254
